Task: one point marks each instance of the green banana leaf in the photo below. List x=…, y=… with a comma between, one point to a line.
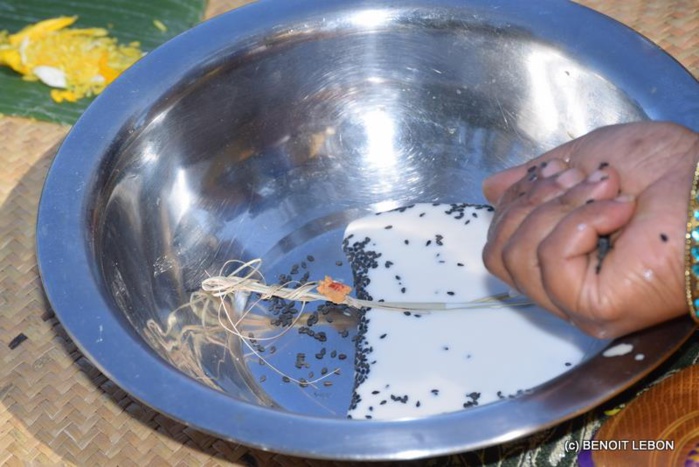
x=127, y=20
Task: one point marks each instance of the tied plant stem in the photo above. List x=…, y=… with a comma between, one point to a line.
x=247, y=279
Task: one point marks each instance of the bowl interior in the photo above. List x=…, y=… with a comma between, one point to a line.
x=269, y=149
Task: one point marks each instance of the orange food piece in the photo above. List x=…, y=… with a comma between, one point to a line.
x=335, y=291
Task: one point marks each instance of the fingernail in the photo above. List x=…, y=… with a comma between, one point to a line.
x=552, y=167
x=625, y=198
x=570, y=178
x=597, y=176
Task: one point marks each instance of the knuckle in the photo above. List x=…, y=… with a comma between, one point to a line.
x=489, y=256
x=546, y=250
x=512, y=256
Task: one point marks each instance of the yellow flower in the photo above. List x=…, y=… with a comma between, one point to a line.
x=76, y=62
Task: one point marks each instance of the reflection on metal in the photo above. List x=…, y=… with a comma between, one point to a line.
x=280, y=125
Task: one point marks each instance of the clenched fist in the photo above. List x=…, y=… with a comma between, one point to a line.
x=594, y=229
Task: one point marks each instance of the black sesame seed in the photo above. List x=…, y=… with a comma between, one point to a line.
x=388, y=264
x=17, y=340
x=407, y=313
x=474, y=214
x=402, y=290
x=406, y=241
x=428, y=243
x=531, y=169
x=388, y=227
x=382, y=336
x=286, y=379
x=383, y=402
x=422, y=214
x=604, y=245
x=263, y=378
x=450, y=292
x=568, y=364
x=663, y=237
x=435, y=392
x=375, y=392
x=342, y=356
x=438, y=239
x=590, y=201
x=603, y=165
x=460, y=264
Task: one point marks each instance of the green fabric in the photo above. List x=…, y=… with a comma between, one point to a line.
x=127, y=20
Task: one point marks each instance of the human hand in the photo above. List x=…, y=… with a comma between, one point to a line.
x=630, y=182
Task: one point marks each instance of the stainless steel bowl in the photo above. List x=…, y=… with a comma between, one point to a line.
x=263, y=132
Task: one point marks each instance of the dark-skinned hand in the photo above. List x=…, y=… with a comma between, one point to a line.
x=627, y=184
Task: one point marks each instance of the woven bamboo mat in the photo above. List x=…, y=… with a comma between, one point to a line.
x=55, y=407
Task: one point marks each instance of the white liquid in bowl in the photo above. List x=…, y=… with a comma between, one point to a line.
x=420, y=364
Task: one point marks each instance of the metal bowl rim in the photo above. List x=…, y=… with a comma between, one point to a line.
x=123, y=357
